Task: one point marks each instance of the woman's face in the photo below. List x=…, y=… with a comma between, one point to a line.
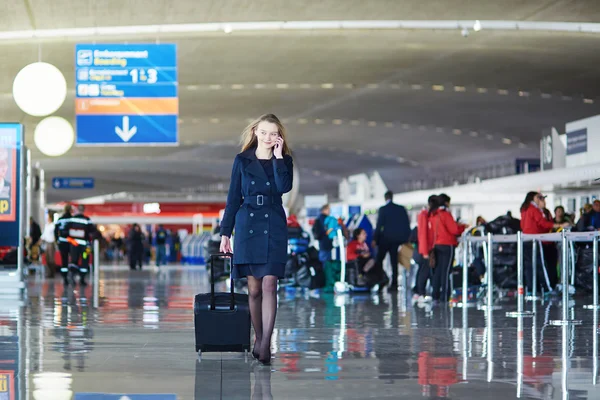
x=362, y=236
x=559, y=213
x=266, y=133
x=540, y=201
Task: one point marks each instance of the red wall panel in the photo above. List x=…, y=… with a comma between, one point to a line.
x=171, y=209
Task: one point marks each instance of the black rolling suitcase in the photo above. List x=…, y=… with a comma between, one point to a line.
x=222, y=320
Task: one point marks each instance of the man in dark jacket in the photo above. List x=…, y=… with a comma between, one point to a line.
x=392, y=230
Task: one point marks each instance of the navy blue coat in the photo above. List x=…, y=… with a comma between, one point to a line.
x=254, y=208
x=393, y=225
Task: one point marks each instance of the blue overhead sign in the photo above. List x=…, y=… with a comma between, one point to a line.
x=577, y=142
x=126, y=95
x=73, y=183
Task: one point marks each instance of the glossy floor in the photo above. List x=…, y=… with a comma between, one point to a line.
x=56, y=345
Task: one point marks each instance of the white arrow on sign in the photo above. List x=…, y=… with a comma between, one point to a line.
x=57, y=183
x=126, y=133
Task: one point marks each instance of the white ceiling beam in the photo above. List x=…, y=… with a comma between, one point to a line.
x=228, y=27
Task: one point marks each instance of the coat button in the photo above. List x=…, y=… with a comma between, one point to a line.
x=252, y=182
x=252, y=214
x=265, y=232
x=268, y=183
x=251, y=231
x=266, y=215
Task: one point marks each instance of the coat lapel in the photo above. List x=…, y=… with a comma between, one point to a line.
x=253, y=165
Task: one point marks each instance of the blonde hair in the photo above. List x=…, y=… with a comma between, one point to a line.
x=249, y=140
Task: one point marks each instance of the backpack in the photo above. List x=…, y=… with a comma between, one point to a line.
x=317, y=229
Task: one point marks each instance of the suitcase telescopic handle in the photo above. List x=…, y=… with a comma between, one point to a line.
x=212, y=279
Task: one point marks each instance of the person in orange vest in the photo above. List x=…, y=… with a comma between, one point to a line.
x=61, y=234
x=81, y=229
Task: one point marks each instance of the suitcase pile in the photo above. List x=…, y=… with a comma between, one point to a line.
x=221, y=320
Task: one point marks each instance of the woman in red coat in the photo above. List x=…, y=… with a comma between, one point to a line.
x=425, y=245
x=535, y=221
x=445, y=233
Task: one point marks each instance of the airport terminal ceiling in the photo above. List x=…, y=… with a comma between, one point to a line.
x=412, y=104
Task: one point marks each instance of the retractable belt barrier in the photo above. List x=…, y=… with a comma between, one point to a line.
x=565, y=238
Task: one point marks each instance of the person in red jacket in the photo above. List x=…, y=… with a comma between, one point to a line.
x=445, y=233
x=534, y=221
x=425, y=244
x=358, y=250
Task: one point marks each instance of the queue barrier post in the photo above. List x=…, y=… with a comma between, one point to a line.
x=465, y=262
x=565, y=284
x=490, y=272
x=534, y=257
x=594, y=305
x=96, y=273
x=520, y=286
x=595, y=349
x=565, y=238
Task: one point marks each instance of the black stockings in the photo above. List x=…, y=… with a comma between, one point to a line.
x=263, y=309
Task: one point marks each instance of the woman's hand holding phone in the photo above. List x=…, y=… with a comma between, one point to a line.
x=278, y=148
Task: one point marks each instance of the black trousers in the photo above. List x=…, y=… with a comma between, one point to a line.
x=440, y=283
x=382, y=250
x=550, y=260
x=80, y=259
x=136, y=257
x=65, y=250
x=423, y=275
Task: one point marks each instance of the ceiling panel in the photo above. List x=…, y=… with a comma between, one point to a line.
x=14, y=16
x=83, y=13
x=410, y=104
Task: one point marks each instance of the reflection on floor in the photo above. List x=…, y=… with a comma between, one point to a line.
x=56, y=346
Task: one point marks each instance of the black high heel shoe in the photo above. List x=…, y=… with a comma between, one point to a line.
x=254, y=353
x=265, y=360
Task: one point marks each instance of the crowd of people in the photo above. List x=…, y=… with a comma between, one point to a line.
x=65, y=243
x=136, y=246
x=435, y=239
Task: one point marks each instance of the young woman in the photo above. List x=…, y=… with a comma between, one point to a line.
x=445, y=233
x=425, y=245
x=561, y=217
x=534, y=220
x=261, y=174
